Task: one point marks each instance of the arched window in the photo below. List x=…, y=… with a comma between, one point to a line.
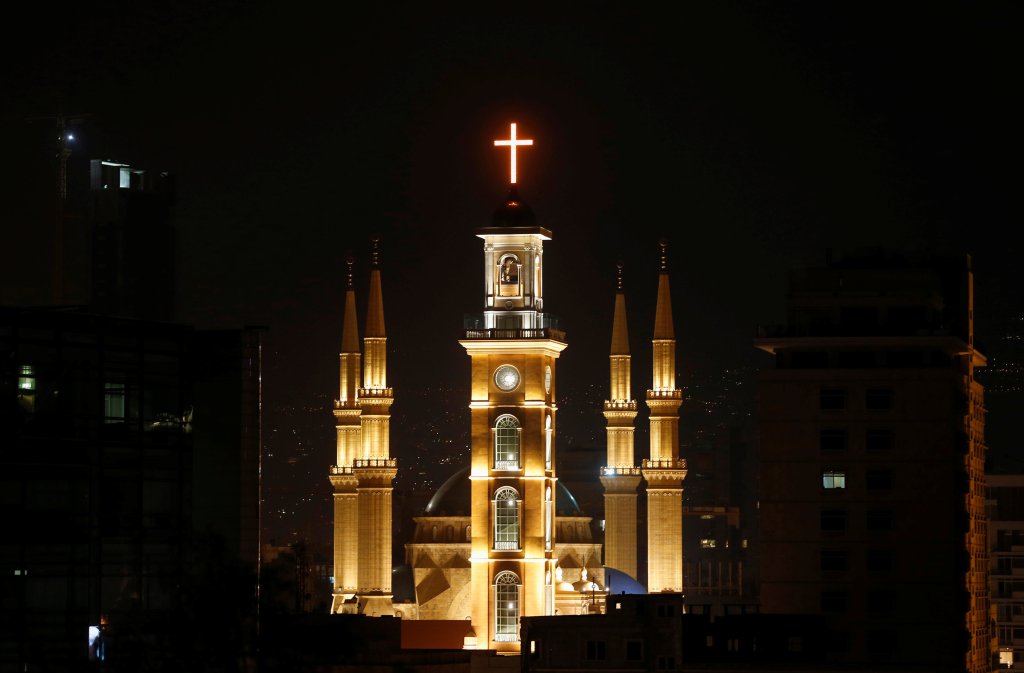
x=547, y=442
x=506, y=443
x=547, y=519
x=506, y=518
x=506, y=607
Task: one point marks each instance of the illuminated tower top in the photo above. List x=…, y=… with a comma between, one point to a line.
x=512, y=143
x=350, y=356
x=375, y=364
x=664, y=331
x=513, y=261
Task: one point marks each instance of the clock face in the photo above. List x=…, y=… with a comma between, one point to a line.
x=506, y=377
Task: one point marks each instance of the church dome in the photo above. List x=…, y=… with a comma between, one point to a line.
x=514, y=212
x=455, y=494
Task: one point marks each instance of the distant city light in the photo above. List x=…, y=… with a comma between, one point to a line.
x=71, y=136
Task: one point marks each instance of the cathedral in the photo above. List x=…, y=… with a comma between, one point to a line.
x=503, y=538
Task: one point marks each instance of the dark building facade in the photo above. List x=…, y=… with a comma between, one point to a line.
x=129, y=475
x=133, y=244
x=872, y=463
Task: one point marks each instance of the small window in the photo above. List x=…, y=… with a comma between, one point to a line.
x=506, y=443
x=834, y=560
x=833, y=601
x=878, y=440
x=113, y=402
x=666, y=663
x=27, y=380
x=634, y=650
x=832, y=479
x=833, y=440
x=506, y=607
x=879, y=519
x=880, y=602
x=707, y=542
x=878, y=560
x=878, y=480
x=833, y=520
x=878, y=398
x=506, y=519
x=595, y=650
x=832, y=398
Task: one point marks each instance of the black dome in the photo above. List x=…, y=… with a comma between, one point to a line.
x=513, y=212
x=455, y=495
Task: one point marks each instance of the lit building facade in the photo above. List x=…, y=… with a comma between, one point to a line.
x=513, y=346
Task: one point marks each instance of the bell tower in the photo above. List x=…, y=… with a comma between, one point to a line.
x=513, y=347
x=664, y=471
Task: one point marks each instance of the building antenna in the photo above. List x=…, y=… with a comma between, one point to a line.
x=65, y=138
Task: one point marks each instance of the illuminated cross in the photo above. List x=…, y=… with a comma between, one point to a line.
x=512, y=143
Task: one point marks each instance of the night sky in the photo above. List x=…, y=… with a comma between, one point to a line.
x=753, y=137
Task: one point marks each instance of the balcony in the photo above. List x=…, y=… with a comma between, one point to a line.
x=664, y=394
x=375, y=462
x=341, y=469
x=505, y=334
x=664, y=464
x=620, y=471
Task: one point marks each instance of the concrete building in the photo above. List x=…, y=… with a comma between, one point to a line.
x=1006, y=579
x=130, y=461
x=872, y=462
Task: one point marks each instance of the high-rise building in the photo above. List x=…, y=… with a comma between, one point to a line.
x=872, y=460
x=133, y=244
x=130, y=460
x=1006, y=579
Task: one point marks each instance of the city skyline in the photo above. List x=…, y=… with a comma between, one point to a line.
x=755, y=139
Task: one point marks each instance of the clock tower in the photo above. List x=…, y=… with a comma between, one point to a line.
x=513, y=346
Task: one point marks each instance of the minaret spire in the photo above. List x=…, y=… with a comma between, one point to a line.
x=347, y=414
x=620, y=477
x=664, y=471
x=375, y=468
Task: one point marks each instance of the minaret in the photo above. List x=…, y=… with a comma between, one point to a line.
x=513, y=346
x=344, y=482
x=375, y=469
x=620, y=476
x=664, y=471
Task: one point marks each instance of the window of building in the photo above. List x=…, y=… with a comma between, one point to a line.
x=113, y=402
x=833, y=479
x=810, y=360
x=666, y=663
x=855, y=359
x=634, y=650
x=27, y=379
x=833, y=601
x=834, y=560
x=878, y=480
x=666, y=610
x=506, y=607
x=879, y=519
x=547, y=441
x=506, y=443
x=506, y=518
x=707, y=542
x=833, y=520
x=547, y=518
x=595, y=650
x=880, y=602
x=832, y=398
x=878, y=440
x=878, y=398
x=832, y=440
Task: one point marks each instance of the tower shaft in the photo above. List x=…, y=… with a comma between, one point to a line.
x=664, y=471
x=620, y=477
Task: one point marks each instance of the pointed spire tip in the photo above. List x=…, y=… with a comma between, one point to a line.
x=664, y=254
x=618, y=278
x=375, y=251
x=350, y=262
